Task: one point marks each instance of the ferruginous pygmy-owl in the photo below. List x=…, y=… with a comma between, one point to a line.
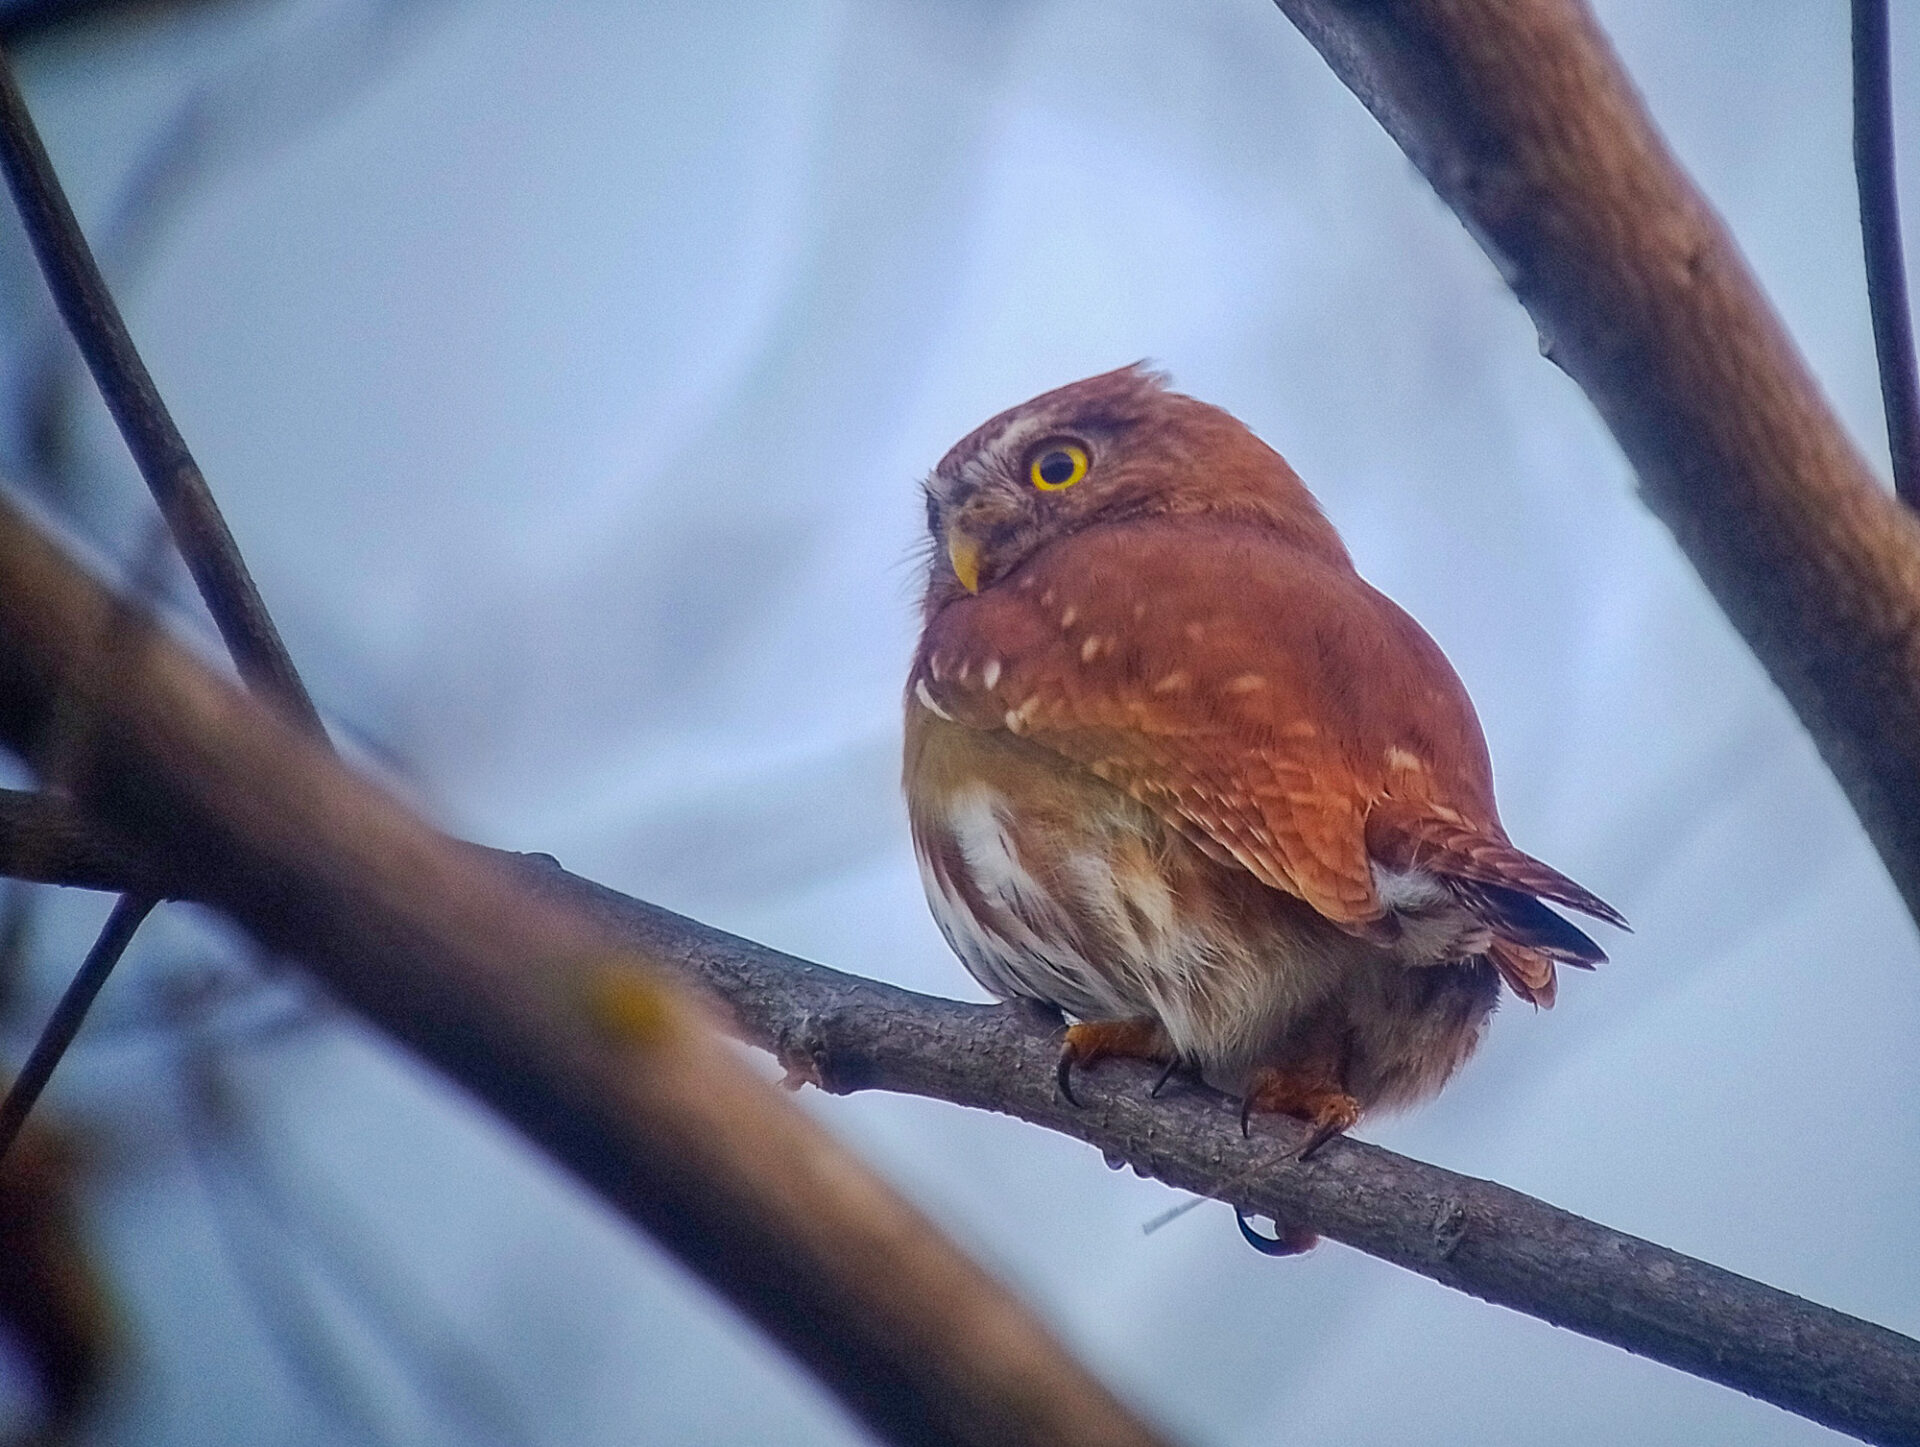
x=1174, y=768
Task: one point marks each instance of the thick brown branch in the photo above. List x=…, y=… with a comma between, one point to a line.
x=536, y=1010
x=46, y=840
x=845, y=1033
x=1521, y=117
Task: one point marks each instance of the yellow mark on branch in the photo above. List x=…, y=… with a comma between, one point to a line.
x=628, y=1006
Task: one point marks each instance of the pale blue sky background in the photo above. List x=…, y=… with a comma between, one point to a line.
x=566, y=372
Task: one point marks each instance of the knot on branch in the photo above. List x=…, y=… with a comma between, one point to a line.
x=812, y=1053
x=1448, y=1227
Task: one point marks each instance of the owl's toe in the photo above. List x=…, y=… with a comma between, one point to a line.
x=1305, y=1095
x=1093, y=1040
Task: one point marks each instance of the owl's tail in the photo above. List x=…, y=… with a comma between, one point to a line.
x=1504, y=889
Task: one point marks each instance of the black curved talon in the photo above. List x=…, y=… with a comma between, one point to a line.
x=1064, y=1077
x=1165, y=1076
x=1246, y=1114
x=1277, y=1245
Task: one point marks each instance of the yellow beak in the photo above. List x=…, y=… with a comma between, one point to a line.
x=964, y=553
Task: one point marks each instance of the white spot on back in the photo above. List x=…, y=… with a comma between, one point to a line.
x=926, y=700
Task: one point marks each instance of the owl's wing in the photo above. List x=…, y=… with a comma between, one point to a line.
x=1269, y=704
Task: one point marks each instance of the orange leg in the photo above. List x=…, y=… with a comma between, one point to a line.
x=1091, y=1040
x=1315, y=1096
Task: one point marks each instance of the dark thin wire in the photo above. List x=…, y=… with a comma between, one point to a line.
x=178, y=487
x=67, y=1016
x=1880, y=234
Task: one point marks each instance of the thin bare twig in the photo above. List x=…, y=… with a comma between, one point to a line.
x=1880, y=234
x=193, y=518
x=128, y=911
x=844, y=1033
x=199, y=530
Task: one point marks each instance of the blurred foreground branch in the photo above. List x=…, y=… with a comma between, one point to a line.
x=1520, y=115
x=844, y=1033
x=536, y=1009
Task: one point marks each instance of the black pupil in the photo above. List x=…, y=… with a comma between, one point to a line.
x=1056, y=468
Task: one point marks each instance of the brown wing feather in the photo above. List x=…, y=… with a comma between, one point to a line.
x=1407, y=836
x=1260, y=698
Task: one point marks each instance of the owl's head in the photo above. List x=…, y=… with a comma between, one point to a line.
x=1111, y=449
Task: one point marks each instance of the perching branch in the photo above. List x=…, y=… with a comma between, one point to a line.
x=1520, y=115
x=538, y=1011
x=845, y=1033
x=1880, y=234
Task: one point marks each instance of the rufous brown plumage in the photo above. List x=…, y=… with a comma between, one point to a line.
x=1175, y=768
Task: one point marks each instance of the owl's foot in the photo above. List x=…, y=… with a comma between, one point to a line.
x=1304, y=1095
x=1092, y=1040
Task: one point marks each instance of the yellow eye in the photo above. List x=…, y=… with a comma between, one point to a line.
x=1058, y=467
